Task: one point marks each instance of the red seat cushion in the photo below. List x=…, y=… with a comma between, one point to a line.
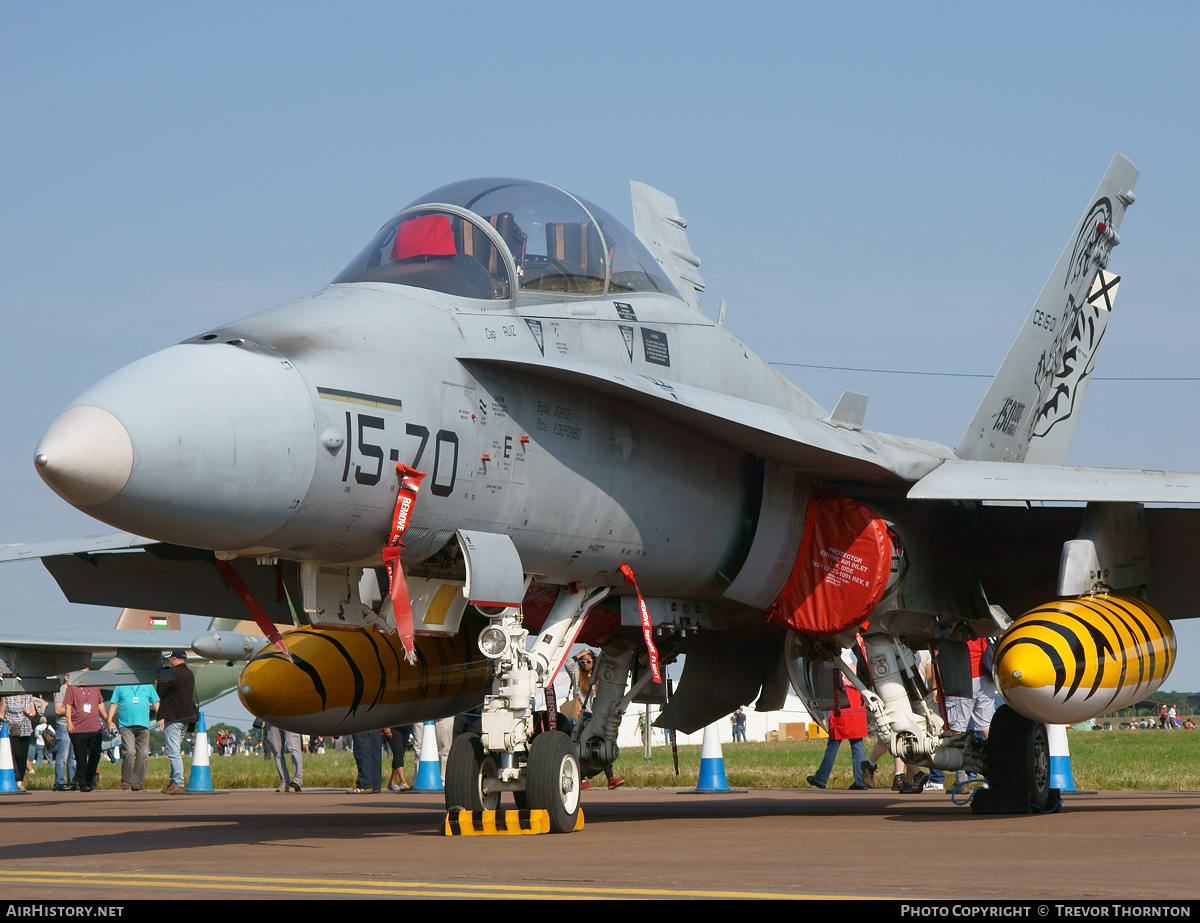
x=427, y=235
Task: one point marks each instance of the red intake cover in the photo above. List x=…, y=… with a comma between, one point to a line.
x=841, y=571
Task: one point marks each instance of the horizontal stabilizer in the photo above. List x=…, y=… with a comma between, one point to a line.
x=971, y=480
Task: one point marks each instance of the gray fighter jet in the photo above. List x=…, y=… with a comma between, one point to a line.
x=521, y=401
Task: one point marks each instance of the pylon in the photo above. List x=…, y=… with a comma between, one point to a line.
x=712, y=763
x=429, y=768
x=1060, y=758
x=8, y=777
x=200, y=776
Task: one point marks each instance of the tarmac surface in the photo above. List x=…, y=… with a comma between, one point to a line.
x=636, y=843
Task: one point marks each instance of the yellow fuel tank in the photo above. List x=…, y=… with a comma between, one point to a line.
x=1075, y=659
x=350, y=680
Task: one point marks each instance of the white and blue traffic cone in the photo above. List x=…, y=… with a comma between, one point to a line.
x=429, y=768
x=200, y=777
x=712, y=763
x=8, y=777
x=1060, y=759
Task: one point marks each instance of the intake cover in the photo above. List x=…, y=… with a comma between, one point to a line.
x=842, y=569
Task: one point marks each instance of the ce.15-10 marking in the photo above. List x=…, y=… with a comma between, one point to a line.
x=445, y=441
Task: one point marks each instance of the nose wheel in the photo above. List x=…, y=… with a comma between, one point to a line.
x=470, y=770
x=553, y=779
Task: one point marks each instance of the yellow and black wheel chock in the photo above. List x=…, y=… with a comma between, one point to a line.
x=460, y=822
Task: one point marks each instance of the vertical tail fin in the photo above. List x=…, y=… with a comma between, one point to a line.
x=1031, y=409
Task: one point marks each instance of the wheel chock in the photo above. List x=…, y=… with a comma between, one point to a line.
x=461, y=822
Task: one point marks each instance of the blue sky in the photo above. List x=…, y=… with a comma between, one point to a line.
x=877, y=186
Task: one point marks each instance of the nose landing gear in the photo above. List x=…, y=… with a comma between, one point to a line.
x=553, y=779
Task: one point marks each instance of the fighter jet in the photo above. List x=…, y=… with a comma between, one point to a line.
x=506, y=426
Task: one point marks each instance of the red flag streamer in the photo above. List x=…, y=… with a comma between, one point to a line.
x=406, y=498
x=627, y=573
x=257, y=612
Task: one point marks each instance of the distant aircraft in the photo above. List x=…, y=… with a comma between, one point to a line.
x=132, y=652
x=507, y=426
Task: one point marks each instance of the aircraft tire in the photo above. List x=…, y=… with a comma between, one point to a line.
x=1018, y=756
x=553, y=779
x=468, y=765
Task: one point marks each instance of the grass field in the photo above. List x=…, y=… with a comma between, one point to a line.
x=1162, y=760
x=1107, y=760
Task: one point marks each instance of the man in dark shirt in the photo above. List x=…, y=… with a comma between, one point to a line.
x=176, y=710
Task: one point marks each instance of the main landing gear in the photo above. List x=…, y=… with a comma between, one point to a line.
x=1018, y=768
x=1015, y=760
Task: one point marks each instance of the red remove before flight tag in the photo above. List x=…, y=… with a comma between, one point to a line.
x=627, y=573
x=406, y=498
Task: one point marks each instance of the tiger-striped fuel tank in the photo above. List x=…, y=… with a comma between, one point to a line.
x=1075, y=659
x=351, y=680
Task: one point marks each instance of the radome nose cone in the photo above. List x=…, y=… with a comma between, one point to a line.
x=223, y=446
x=85, y=456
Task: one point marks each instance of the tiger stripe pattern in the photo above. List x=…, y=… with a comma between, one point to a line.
x=341, y=679
x=1073, y=659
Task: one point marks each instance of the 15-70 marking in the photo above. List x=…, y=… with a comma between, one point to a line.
x=359, y=429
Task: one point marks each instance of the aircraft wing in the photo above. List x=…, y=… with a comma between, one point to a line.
x=816, y=447
x=104, y=640
x=33, y=663
x=111, y=541
x=988, y=480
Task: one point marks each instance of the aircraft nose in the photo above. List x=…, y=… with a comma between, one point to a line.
x=210, y=445
x=85, y=456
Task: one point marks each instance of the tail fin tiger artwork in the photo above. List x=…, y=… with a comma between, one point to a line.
x=1031, y=409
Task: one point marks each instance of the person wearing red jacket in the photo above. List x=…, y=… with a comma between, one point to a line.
x=846, y=722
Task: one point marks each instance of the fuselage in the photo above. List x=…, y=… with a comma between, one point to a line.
x=535, y=382
x=278, y=434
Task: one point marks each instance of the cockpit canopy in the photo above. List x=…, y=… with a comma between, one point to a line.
x=475, y=237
